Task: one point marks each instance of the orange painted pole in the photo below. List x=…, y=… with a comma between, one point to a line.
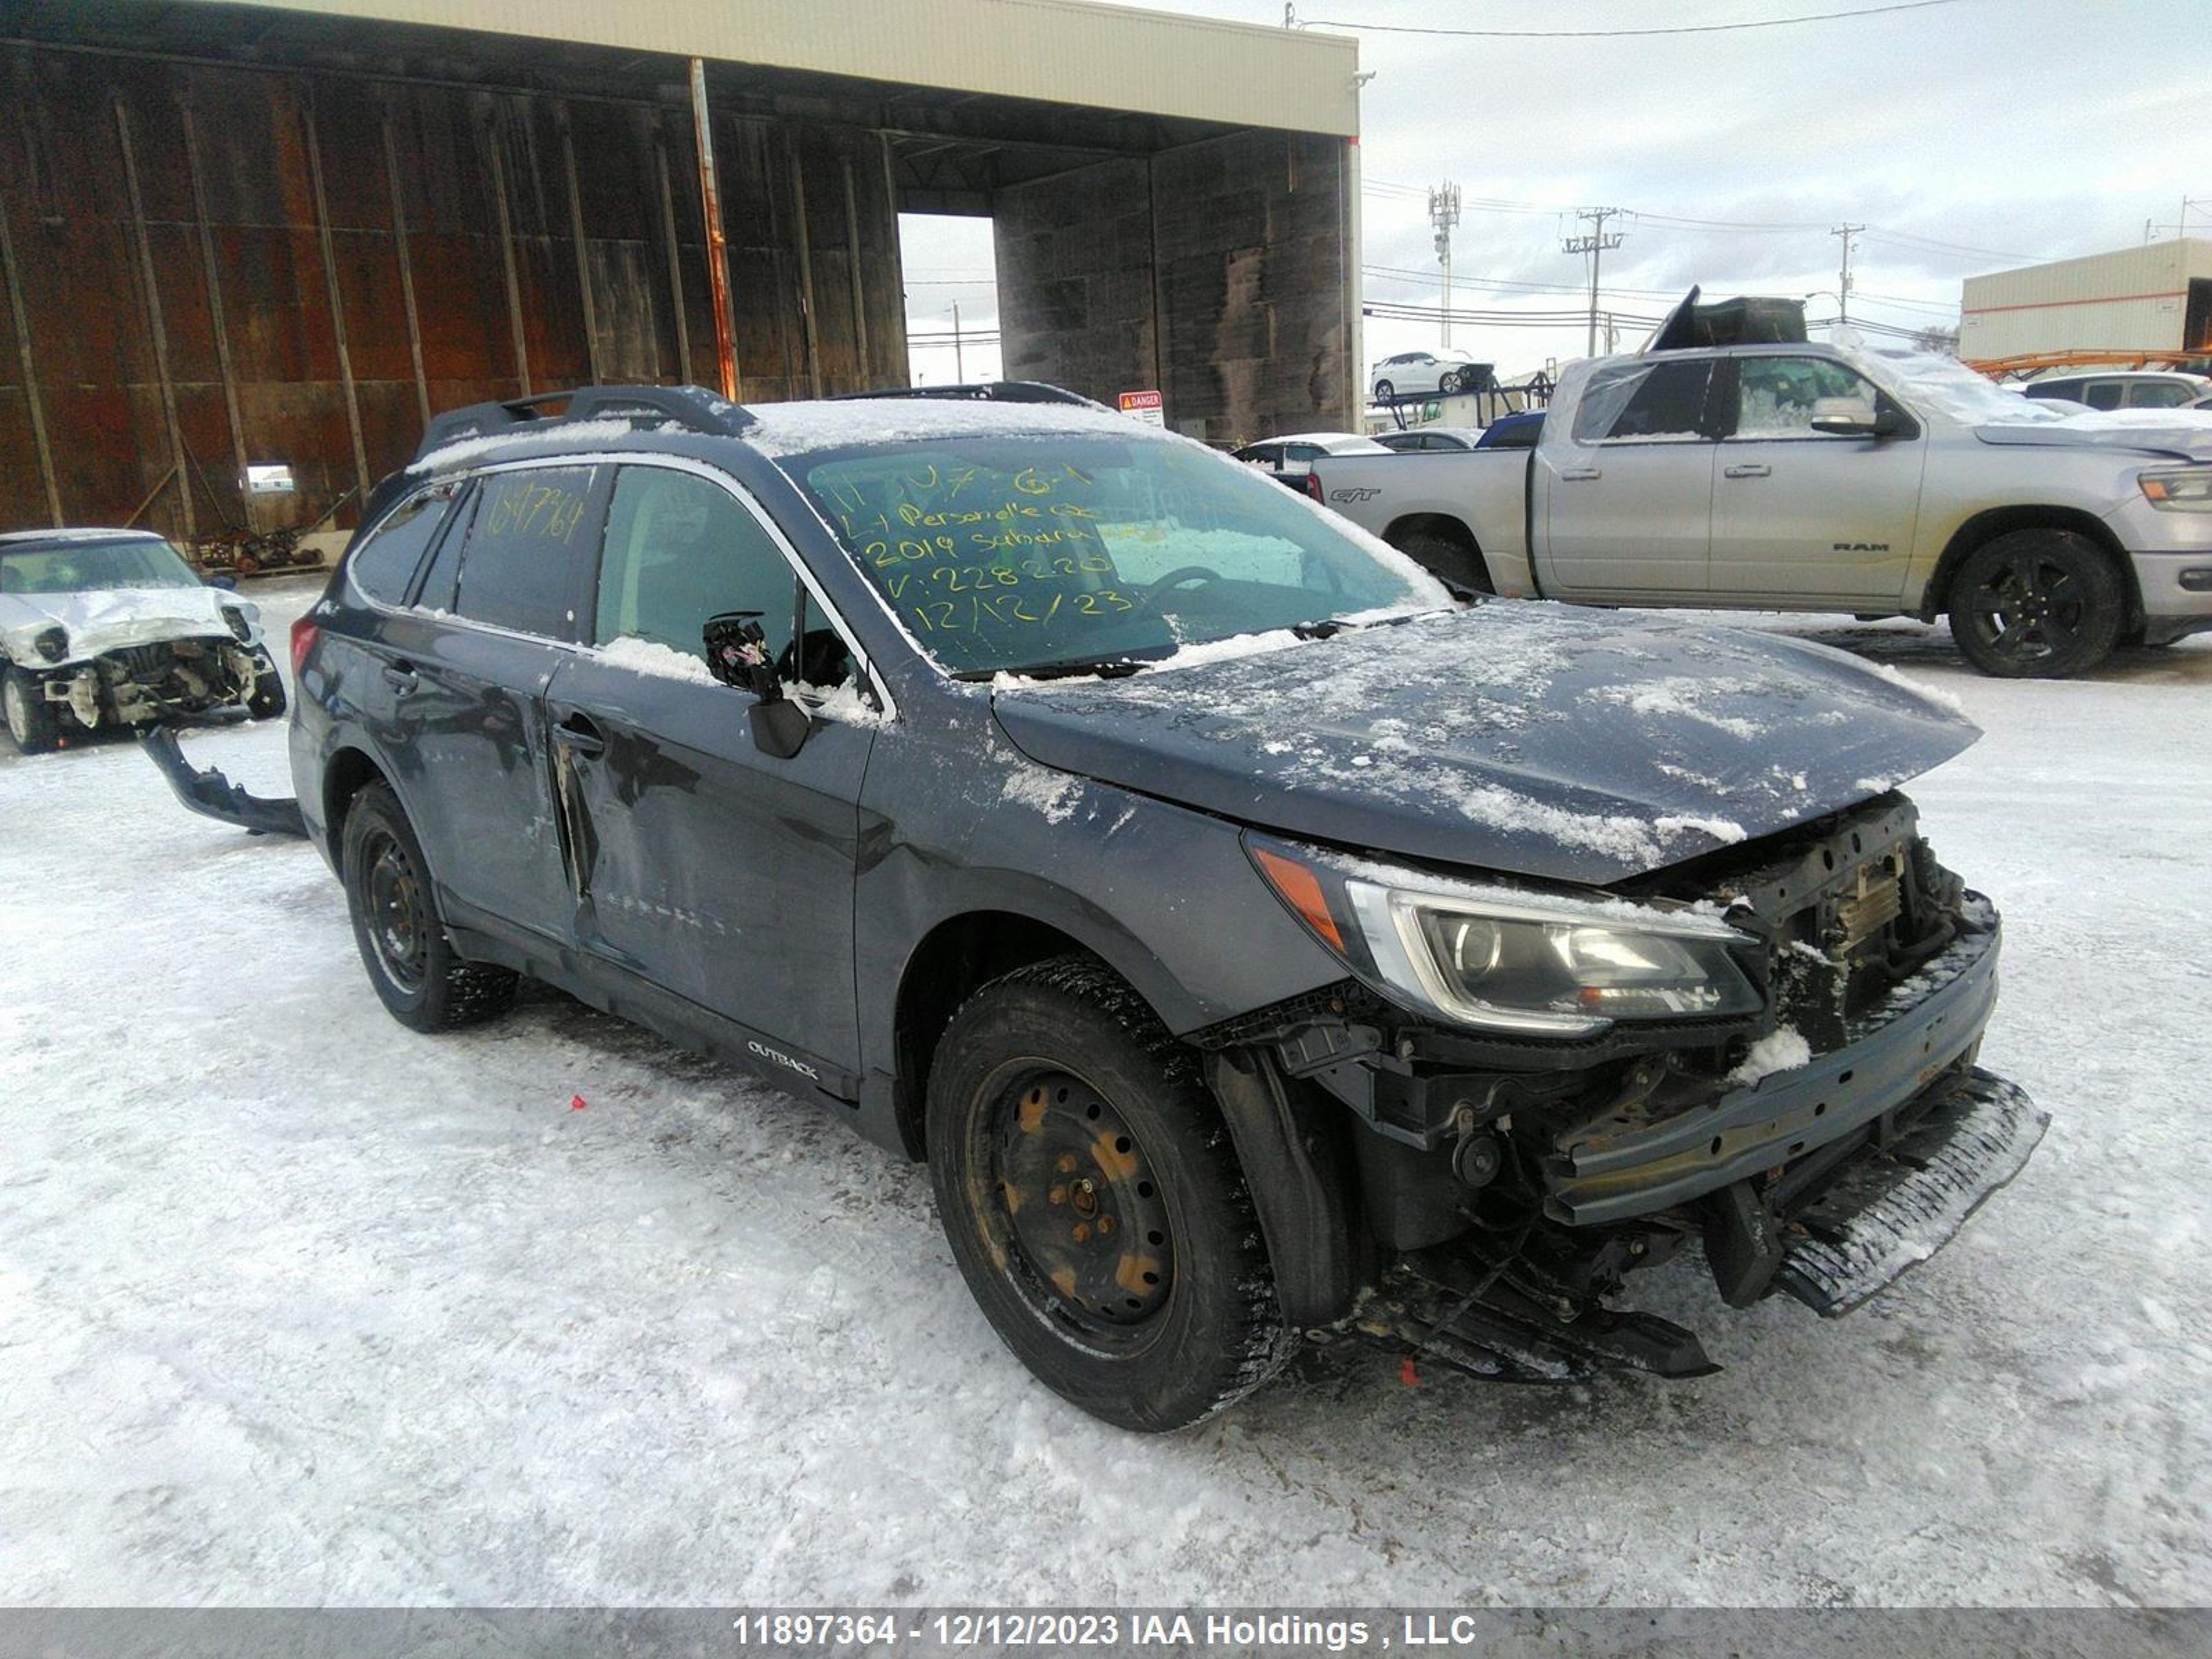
x=718, y=265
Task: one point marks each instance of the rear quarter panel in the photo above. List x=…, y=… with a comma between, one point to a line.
x=1483, y=491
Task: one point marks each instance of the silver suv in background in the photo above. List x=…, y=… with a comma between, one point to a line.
x=2129, y=388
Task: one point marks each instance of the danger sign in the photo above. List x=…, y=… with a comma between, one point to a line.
x=1145, y=406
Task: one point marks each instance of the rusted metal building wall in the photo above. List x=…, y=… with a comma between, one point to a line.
x=1215, y=271
x=208, y=265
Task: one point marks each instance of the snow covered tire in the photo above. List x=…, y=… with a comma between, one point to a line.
x=411, y=963
x=1140, y=1194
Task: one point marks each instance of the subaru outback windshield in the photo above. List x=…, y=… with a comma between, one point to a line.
x=1057, y=551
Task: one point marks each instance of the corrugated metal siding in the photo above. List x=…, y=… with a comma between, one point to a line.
x=277, y=310
x=2133, y=300
x=1060, y=51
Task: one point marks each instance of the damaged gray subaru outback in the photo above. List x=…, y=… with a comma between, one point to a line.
x=1260, y=946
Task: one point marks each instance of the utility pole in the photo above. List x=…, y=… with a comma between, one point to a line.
x=1444, y=213
x=1843, y=276
x=959, y=362
x=1595, y=245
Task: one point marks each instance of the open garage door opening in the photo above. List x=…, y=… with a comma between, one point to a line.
x=951, y=278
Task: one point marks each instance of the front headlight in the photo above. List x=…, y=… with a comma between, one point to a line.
x=240, y=624
x=51, y=643
x=2183, y=490
x=1503, y=961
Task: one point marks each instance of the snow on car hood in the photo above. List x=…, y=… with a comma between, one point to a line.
x=108, y=618
x=2181, y=433
x=1532, y=739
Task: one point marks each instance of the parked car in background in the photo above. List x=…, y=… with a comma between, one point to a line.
x=100, y=628
x=1253, y=942
x=1430, y=440
x=1848, y=477
x=1290, y=458
x=1413, y=374
x=1518, y=431
x=2133, y=388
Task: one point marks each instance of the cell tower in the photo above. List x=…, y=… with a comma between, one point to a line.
x=1444, y=213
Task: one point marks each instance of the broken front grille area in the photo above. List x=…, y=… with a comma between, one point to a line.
x=1849, y=907
x=185, y=675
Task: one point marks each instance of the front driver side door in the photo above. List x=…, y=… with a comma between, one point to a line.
x=714, y=871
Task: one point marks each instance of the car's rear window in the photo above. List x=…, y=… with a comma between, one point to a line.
x=1018, y=553
x=385, y=564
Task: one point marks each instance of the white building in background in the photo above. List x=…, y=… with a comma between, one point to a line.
x=2150, y=301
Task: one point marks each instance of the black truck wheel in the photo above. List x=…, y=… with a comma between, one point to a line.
x=410, y=962
x=1088, y=1188
x=31, y=720
x=2036, y=604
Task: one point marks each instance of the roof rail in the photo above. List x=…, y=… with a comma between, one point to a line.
x=691, y=407
x=994, y=392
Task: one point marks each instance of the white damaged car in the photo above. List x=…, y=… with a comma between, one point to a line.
x=111, y=628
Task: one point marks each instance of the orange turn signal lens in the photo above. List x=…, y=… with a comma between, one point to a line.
x=1301, y=891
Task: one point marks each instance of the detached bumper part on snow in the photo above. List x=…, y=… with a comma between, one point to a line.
x=1896, y=1207
x=209, y=792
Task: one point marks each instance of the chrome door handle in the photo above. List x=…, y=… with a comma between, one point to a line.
x=1578, y=474
x=402, y=679
x=1748, y=469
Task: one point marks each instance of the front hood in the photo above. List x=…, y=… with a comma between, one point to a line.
x=111, y=618
x=1528, y=739
x=2161, y=433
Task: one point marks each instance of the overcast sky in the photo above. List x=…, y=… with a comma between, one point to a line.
x=1968, y=136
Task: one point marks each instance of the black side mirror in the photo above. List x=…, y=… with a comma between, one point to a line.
x=737, y=655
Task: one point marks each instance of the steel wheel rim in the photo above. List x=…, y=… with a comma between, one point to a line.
x=2029, y=608
x=397, y=922
x=1087, y=1236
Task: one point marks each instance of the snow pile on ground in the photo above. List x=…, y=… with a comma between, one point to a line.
x=297, y=1306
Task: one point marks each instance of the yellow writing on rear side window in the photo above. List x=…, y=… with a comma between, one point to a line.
x=523, y=509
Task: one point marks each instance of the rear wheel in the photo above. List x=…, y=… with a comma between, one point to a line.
x=31, y=721
x=1384, y=391
x=1086, y=1183
x=410, y=962
x=2036, y=603
x=1446, y=558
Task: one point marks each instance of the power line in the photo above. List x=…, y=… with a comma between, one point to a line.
x=1595, y=245
x=1616, y=34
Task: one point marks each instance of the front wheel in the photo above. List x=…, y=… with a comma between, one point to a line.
x=2036, y=604
x=31, y=721
x=1087, y=1186
x=411, y=963
x=1384, y=390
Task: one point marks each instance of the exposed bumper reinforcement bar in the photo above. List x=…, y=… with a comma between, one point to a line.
x=1893, y=1208
x=212, y=795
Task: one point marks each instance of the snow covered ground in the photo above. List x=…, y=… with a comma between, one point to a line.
x=297, y=1306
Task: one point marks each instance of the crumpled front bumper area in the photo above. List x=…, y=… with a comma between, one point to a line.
x=1901, y=1201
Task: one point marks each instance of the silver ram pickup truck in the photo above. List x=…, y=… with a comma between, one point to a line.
x=1841, y=477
